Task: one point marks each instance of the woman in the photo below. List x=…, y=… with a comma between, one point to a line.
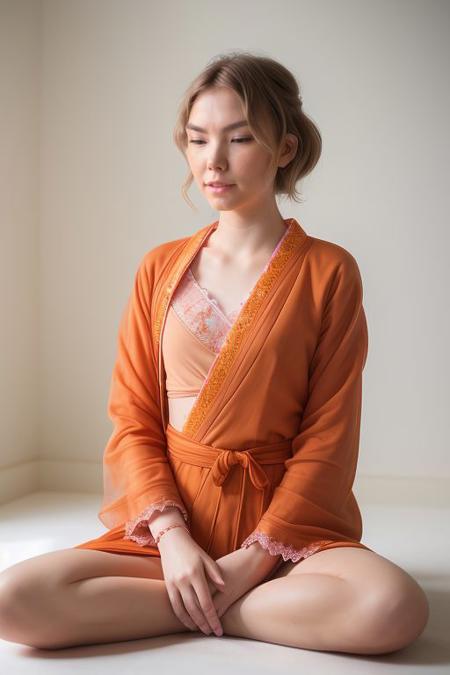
x=236, y=402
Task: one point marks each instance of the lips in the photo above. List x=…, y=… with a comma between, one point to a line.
x=219, y=189
x=216, y=184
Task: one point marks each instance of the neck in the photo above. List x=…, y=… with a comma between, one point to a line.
x=241, y=238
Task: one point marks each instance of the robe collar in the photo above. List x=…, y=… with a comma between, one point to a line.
x=293, y=243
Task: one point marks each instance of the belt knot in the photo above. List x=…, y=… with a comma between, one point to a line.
x=227, y=458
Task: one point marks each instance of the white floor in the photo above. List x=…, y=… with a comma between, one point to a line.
x=416, y=539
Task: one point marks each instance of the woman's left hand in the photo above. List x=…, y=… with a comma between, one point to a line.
x=242, y=570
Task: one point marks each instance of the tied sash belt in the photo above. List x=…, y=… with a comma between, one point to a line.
x=204, y=510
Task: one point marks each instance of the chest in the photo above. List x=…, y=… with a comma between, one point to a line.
x=226, y=285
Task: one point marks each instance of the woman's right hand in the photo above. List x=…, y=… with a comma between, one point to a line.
x=184, y=564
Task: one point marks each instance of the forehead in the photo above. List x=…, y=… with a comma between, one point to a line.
x=217, y=108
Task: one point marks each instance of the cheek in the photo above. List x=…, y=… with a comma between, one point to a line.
x=194, y=163
x=254, y=164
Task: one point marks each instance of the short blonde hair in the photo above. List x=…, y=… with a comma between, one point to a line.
x=272, y=105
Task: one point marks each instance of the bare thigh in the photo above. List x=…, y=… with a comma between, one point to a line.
x=358, y=567
x=73, y=564
x=332, y=561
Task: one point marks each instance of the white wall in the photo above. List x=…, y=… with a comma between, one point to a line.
x=20, y=92
x=107, y=189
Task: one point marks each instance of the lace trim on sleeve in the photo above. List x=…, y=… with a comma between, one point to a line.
x=287, y=552
x=138, y=530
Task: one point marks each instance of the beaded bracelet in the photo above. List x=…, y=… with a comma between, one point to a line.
x=166, y=529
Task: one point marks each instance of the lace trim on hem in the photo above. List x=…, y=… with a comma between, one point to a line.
x=287, y=551
x=138, y=530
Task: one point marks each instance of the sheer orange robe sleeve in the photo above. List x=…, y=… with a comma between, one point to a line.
x=137, y=478
x=307, y=507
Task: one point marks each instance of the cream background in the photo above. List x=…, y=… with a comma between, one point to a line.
x=90, y=181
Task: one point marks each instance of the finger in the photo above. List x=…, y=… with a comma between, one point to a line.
x=217, y=606
x=213, y=589
x=179, y=608
x=180, y=611
x=207, y=604
x=214, y=573
x=195, y=611
x=221, y=606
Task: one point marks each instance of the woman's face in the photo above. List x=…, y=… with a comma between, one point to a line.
x=230, y=156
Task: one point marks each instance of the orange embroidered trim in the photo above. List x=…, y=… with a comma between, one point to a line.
x=175, y=275
x=239, y=330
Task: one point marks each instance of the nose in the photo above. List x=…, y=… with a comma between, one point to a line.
x=217, y=158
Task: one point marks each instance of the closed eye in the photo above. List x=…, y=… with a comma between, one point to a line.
x=237, y=140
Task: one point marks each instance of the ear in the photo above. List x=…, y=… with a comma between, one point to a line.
x=288, y=150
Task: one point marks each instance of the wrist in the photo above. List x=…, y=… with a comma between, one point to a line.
x=257, y=552
x=162, y=519
x=172, y=537
x=165, y=530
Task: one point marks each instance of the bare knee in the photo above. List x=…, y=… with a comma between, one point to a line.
x=11, y=608
x=23, y=616
x=394, y=616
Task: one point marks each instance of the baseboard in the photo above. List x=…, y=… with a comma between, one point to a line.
x=24, y=478
x=18, y=480
x=70, y=476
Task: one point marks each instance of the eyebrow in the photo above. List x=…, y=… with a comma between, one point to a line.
x=234, y=125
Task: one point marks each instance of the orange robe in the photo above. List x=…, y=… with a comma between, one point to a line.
x=269, y=450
